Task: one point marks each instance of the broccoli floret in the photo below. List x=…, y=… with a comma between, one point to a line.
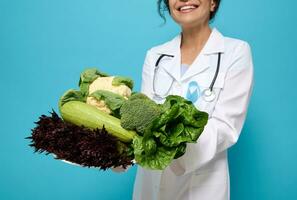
x=138, y=112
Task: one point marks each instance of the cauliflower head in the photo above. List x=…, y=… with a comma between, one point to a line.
x=107, y=84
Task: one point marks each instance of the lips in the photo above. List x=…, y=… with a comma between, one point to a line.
x=187, y=8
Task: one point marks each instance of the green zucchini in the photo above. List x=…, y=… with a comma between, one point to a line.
x=82, y=114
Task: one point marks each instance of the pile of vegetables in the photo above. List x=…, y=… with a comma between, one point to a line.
x=104, y=124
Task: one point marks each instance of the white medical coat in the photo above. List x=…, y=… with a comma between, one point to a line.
x=202, y=172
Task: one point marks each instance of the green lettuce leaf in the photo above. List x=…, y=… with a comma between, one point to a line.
x=167, y=116
x=181, y=150
x=192, y=119
x=157, y=160
x=166, y=137
x=174, y=137
x=193, y=133
x=150, y=146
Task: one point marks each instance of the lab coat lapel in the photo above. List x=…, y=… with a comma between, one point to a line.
x=214, y=44
x=200, y=64
x=172, y=67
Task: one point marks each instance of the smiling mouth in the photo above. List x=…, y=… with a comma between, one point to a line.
x=187, y=8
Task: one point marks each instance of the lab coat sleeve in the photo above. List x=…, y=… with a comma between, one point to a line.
x=146, y=79
x=224, y=127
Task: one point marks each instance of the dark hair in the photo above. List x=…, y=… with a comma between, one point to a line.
x=163, y=5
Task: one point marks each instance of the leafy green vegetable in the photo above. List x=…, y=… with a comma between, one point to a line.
x=138, y=112
x=87, y=77
x=180, y=150
x=158, y=160
x=163, y=130
x=154, y=134
x=71, y=95
x=167, y=135
x=112, y=100
x=150, y=146
x=120, y=80
x=169, y=114
x=191, y=122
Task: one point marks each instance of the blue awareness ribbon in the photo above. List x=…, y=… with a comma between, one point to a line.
x=193, y=92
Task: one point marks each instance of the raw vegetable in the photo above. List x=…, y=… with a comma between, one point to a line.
x=88, y=148
x=158, y=160
x=138, y=112
x=138, y=128
x=92, y=80
x=180, y=123
x=121, y=80
x=106, y=83
x=112, y=100
x=82, y=114
x=71, y=95
x=87, y=77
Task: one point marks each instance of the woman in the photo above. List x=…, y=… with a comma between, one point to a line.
x=187, y=69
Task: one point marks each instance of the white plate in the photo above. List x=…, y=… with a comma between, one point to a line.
x=116, y=169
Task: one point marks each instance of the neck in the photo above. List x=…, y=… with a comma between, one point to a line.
x=195, y=37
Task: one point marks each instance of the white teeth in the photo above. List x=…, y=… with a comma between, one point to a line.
x=187, y=7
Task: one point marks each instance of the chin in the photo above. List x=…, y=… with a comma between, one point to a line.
x=189, y=23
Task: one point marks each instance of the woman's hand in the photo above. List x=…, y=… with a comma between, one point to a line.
x=120, y=169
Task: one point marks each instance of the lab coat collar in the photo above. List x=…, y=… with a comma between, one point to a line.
x=214, y=44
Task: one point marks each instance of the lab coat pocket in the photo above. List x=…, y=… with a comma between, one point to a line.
x=209, y=178
x=206, y=103
x=209, y=185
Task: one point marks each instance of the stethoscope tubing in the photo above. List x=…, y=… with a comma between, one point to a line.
x=157, y=67
x=217, y=72
x=155, y=72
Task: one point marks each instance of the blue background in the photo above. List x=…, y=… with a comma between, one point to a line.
x=45, y=44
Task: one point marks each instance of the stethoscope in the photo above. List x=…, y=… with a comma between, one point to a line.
x=208, y=94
